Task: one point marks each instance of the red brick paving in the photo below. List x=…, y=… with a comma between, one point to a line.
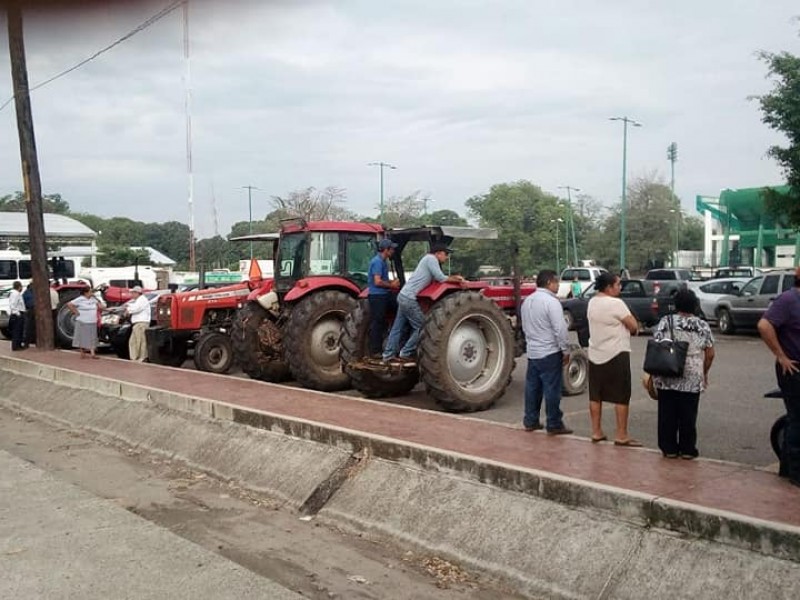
x=722, y=486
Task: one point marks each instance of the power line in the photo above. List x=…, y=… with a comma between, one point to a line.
x=141, y=27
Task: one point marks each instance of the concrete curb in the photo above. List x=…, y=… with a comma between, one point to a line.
x=460, y=506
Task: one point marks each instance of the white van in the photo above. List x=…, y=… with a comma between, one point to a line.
x=15, y=266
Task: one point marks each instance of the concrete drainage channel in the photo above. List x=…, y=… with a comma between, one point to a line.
x=544, y=535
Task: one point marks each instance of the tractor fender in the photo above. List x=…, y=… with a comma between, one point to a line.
x=436, y=291
x=264, y=288
x=312, y=284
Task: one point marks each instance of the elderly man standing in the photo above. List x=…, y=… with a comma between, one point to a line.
x=780, y=330
x=139, y=311
x=548, y=351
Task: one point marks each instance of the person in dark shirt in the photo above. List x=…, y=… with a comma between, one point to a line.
x=780, y=330
x=380, y=296
x=29, y=334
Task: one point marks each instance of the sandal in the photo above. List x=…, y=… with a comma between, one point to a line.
x=600, y=439
x=630, y=443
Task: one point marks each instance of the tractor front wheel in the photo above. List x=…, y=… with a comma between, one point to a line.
x=213, y=353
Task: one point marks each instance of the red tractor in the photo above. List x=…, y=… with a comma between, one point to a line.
x=289, y=326
x=469, y=341
x=198, y=319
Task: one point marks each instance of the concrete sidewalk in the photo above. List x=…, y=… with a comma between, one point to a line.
x=57, y=541
x=487, y=495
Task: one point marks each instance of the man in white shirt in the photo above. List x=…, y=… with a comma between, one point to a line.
x=139, y=311
x=547, y=344
x=611, y=325
x=16, y=321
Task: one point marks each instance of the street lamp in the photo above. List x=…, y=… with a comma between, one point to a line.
x=625, y=120
x=571, y=219
x=250, y=189
x=677, y=212
x=557, y=221
x=382, y=165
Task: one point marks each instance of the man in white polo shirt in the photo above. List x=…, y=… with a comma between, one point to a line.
x=139, y=311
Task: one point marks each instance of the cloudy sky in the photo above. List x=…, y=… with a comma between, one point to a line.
x=459, y=95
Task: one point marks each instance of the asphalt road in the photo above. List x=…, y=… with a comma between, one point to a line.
x=734, y=419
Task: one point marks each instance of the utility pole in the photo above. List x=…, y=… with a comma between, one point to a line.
x=250, y=189
x=625, y=120
x=188, y=110
x=382, y=165
x=571, y=220
x=31, y=179
x=425, y=201
x=672, y=156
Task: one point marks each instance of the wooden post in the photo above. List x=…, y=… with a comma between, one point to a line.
x=30, y=176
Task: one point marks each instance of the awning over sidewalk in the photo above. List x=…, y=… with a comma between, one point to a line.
x=58, y=229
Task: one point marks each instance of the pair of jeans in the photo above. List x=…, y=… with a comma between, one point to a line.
x=379, y=305
x=409, y=314
x=790, y=458
x=677, y=422
x=544, y=379
x=16, y=327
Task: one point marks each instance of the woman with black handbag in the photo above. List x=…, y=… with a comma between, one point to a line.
x=679, y=396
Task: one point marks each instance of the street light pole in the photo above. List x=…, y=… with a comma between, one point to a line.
x=672, y=156
x=381, y=165
x=571, y=220
x=558, y=260
x=625, y=120
x=250, y=189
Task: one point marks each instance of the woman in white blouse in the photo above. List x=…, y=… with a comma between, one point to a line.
x=85, y=308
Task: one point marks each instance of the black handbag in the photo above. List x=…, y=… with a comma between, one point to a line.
x=666, y=357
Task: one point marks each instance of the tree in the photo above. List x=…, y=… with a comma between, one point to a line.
x=781, y=111
x=314, y=205
x=521, y=212
x=51, y=203
x=404, y=211
x=121, y=256
x=447, y=217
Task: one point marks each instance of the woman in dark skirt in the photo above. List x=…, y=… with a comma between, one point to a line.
x=679, y=397
x=85, y=308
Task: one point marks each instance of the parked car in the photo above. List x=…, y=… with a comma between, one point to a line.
x=668, y=275
x=710, y=292
x=585, y=276
x=745, y=308
x=740, y=271
x=115, y=327
x=647, y=303
x=5, y=312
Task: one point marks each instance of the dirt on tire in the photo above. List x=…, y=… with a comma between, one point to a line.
x=257, y=345
x=311, y=340
x=466, y=352
x=354, y=347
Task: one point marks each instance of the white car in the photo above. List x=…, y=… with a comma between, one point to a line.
x=709, y=293
x=5, y=312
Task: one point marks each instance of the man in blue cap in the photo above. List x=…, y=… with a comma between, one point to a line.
x=380, y=296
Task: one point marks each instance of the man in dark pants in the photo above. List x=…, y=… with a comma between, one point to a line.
x=16, y=321
x=30, y=316
x=380, y=295
x=780, y=330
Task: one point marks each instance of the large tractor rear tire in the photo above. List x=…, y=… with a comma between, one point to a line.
x=5, y=332
x=354, y=348
x=257, y=345
x=311, y=340
x=466, y=352
x=213, y=353
x=65, y=320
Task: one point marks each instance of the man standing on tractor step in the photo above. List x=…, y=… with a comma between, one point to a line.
x=139, y=311
x=380, y=296
x=409, y=311
x=780, y=330
x=548, y=350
